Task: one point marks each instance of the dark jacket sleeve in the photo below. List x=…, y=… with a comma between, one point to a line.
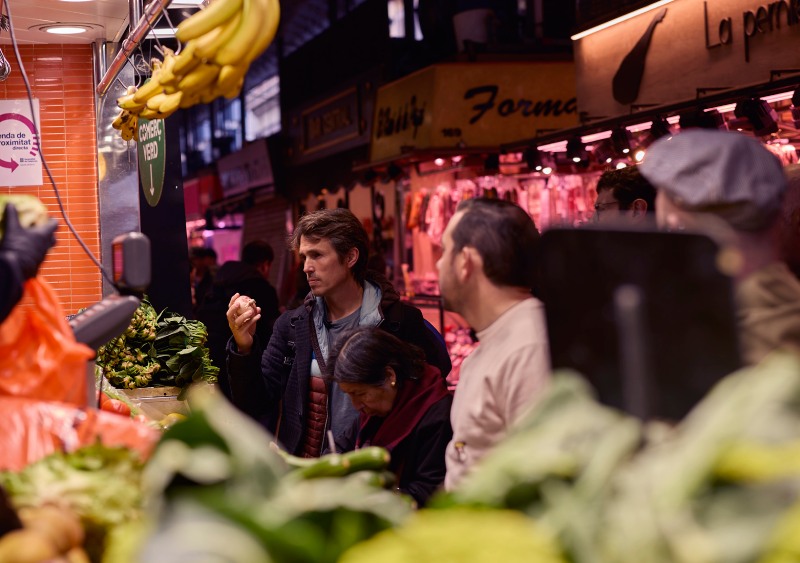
x=422, y=459
x=257, y=387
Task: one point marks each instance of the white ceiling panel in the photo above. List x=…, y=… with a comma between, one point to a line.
x=107, y=18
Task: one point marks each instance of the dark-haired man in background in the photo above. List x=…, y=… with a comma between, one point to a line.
x=299, y=404
x=486, y=273
x=624, y=195
x=249, y=276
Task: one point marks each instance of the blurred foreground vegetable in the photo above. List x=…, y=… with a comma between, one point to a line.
x=720, y=487
x=101, y=485
x=216, y=470
x=466, y=536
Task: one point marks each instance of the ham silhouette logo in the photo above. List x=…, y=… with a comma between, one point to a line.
x=628, y=78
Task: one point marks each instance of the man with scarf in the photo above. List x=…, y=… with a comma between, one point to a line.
x=403, y=406
x=290, y=390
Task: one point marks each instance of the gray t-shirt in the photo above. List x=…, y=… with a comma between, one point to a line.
x=341, y=409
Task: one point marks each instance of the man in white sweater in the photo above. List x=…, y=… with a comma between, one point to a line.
x=486, y=273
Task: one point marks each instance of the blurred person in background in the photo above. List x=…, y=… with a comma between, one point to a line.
x=486, y=273
x=249, y=276
x=790, y=220
x=204, y=268
x=624, y=195
x=299, y=405
x=22, y=251
x=729, y=186
x=403, y=406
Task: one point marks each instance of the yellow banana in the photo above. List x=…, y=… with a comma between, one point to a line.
x=208, y=96
x=126, y=134
x=119, y=120
x=215, y=14
x=167, y=76
x=131, y=89
x=127, y=102
x=155, y=63
x=154, y=102
x=171, y=102
x=136, y=133
x=229, y=77
x=148, y=113
x=209, y=44
x=264, y=40
x=189, y=100
x=201, y=77
x=186, y=60
x=235, y=91
x=247, y=32
x=148, y=89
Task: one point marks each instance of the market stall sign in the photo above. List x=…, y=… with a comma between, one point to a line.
x=152, y=151
x=20, y=159
x=246, y=169
x=473, y=105
x=334, y=123
x=671, y=54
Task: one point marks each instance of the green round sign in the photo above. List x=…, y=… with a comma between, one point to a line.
x=152, y=158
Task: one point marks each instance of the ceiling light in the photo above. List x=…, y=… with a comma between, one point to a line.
x=639, y=156
x=161, y=33
x=596, y=137
x=620, y=19
x=620, y=165
x=558, y=146
x=439, y=162
x=547, y=170
x=779, y=97
x=65, y=29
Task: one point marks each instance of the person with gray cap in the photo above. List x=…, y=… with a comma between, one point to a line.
x=724, y=182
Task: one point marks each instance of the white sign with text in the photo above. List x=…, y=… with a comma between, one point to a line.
x=20, y=149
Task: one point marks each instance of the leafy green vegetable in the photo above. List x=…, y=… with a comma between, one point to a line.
x=181, y=351
x=101, y=484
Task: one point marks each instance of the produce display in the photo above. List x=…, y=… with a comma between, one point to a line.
x=157, y=350
x=70, y=501
x=216, y=470
x=218, y=45
x=574, y=482
x=723, y=486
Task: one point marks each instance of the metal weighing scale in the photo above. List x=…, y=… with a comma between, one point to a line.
x=109, y=318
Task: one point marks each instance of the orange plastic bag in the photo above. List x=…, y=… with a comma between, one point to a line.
x=39, y=356
x=31, y=430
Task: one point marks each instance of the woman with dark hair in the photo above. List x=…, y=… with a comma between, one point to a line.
x=403, y=406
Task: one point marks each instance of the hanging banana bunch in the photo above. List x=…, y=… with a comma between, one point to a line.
x=219, y=44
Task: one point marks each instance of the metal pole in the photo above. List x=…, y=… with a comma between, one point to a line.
x=145, y=23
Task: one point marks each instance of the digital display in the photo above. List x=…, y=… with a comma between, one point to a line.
x=118, y=261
